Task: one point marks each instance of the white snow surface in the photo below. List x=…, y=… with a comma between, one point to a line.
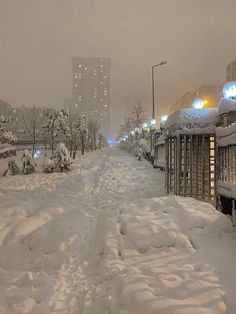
x=193, y=120
x=104, y=238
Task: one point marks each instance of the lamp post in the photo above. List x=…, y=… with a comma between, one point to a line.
x=153, y=88
x=153, y=121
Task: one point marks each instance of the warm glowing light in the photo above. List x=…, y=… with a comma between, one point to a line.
x=164, y=118
x=229, y=90
x=198, y=103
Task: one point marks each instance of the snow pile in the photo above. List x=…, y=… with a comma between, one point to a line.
x=227, y=105
x=193, y=121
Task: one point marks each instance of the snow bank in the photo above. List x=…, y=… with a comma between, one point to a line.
x=194, y=121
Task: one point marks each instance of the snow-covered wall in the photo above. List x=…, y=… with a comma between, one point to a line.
x=194, y=121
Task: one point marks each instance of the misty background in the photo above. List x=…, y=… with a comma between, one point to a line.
x=38, y=39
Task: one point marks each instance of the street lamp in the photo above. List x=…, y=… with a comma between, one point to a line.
x=153, y=92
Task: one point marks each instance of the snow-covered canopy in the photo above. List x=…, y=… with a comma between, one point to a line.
x=227, y=105
x=190, y=120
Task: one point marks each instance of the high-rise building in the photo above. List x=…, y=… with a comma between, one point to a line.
x=91, y=89
x=231, y=71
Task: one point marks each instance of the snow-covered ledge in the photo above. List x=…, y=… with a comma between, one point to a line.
x=193, y=121
x=227, y=105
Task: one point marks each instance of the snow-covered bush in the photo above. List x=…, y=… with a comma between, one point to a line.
x=28, y=163
x=13, y=169
x=5, y=136
x=48, y=165
x=61, y=158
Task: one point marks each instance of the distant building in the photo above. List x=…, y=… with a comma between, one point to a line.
x=210, y=94
x=5, y=109
x=91, y=89
x=231, y=71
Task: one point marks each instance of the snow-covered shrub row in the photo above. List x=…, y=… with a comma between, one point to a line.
x=59, y=162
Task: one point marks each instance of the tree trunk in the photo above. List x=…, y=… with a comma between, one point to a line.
x=52, y=137
x=94, y=138
x=34, y=140
x=82, y=145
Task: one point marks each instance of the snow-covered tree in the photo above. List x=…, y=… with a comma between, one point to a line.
x=137, y=115
x=93, y=128
x=13, y=169
x=61, y=158
x=5, y=136
x=72, y=133
x=33, y=119
x=28, y=163
x=55, y=123
x=83, y=132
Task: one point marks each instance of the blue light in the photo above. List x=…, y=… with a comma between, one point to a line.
x=145, y=125
x=111, y=142
x=198, y=103
x=229, y=90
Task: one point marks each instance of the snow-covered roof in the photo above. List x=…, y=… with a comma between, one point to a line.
x=190, y=120
x=226, y=135
x=227, y=105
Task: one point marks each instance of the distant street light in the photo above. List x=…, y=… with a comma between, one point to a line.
x=153, y=91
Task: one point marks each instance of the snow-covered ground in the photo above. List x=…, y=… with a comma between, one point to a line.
x=104, y=238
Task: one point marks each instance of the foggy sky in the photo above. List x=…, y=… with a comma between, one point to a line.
x=39, y=37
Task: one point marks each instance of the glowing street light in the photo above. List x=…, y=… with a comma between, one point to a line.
x=145, y=125
x=198, y=103
x=229, y=90
x=164, y=118
x=153, y=123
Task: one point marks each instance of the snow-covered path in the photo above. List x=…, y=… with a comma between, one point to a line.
x=104, y=239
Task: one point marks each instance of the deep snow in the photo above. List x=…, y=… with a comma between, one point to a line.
x=104, y=238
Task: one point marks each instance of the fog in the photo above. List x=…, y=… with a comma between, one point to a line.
x=38, y=39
